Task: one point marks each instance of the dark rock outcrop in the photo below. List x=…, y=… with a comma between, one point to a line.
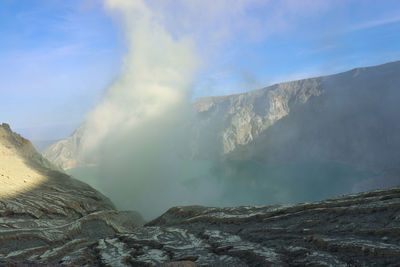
x=353, y=230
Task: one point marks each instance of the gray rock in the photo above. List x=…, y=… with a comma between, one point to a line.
x=352, y=230
x=44, y=212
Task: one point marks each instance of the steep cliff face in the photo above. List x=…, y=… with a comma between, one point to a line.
x=355, y=120
x=228, y=122
x=221, y=123
x=347, y=117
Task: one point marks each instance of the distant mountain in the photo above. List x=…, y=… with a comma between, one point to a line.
x=347, y=117
x=353, y=119
x=41, y=145
x=231, y=122
x=65, y=153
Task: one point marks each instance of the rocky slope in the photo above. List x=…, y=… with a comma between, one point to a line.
x=42, y=208
x=346, y=117
x=48, y=217
x=32, y=186
x=353, y=230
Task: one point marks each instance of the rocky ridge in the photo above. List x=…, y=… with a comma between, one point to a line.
x=352, y=230
x=34, y=187
x=42, y=208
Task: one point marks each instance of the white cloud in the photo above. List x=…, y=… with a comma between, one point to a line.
x=321, y=49
x=213, y=24
x=375, y=23
x=155, y=78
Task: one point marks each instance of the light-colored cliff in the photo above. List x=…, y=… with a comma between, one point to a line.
x=346, y=117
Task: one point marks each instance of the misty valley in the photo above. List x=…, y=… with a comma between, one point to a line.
x=175, y=133
x=292, y=142
x=228, y=183
x=300, y=173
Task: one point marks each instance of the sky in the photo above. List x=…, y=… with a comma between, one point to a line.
x=57, y=57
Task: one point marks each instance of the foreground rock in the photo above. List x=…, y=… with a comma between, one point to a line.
x=50, y=218
x=45, y=213
x=360, y=230
x=31, y=186
x=354, y=230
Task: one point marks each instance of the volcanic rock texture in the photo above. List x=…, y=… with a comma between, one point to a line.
x=48, y=217
x=45, y=213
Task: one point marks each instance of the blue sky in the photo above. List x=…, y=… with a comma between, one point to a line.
x=58, y=57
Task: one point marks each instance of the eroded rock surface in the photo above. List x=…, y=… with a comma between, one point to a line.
x=352, y=230
x=32, y=186
x=45, y=213
x=60, y=221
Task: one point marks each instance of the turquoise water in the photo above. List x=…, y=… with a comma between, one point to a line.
x=250, y=182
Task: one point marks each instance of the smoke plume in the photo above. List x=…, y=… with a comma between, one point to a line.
x=136, y=135
x=140, y=135
x=155, y=78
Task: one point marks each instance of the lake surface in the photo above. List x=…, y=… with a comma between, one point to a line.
x=233, y=183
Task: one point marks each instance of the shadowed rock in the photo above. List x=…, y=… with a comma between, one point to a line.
x=31, y=186
x=44, y=213
x=352, y=230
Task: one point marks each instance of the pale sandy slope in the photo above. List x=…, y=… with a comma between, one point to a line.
x=16, y=176
x=30, y=184
x=45, y=214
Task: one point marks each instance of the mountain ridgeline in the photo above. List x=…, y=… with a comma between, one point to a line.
x=350, y=117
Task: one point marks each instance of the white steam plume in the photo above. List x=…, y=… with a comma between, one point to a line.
x=136, y=134
x=155, y=78
x=139, y=132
